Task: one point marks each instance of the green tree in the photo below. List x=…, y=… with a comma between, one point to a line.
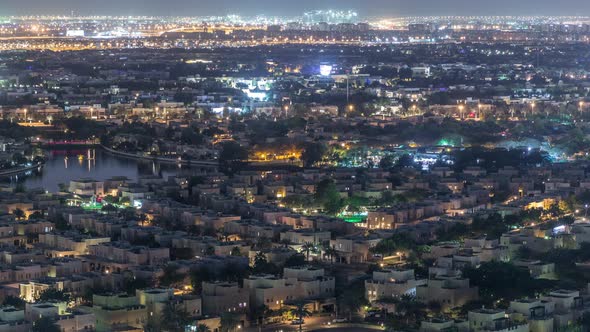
x=174, y=319
x=171, y=276
x=387, y=199
x=313, y=152
x=14, y=301
x=329, y=197
x=109, y=208
x=301, y=312
x=229, y=322
x=232, y=151
x=36, y=215
x=262, y=266
x=259, y=315
x=566, y=206
x=504, y=281
x=386, y=162
x=405, y=161
x=308, y=248
x=203, y=328
x=131, y=284
x=295, y=260
x=397, y=242
x=411, y=310
x=493, y=226
x=330, y=251
x=45, y=324
x=356, y=203
x=190, y=136
x=455, y=232
x=110, y=199
x=298, y=201
x=199, y=275
x=351, y=300
x=19, y=214
x=52, y=294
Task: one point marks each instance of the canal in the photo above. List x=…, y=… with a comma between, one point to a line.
x=64, y=165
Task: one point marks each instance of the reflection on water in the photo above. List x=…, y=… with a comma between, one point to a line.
x=65, y=165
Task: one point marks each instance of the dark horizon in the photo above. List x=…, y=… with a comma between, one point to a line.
x=370, y=8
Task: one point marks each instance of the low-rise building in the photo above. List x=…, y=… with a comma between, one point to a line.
x=391, y=283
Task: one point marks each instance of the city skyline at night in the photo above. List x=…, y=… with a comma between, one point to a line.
x=371, y=8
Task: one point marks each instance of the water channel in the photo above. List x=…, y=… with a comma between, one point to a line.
x=62, y=166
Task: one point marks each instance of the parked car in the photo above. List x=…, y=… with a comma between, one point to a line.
x=297, y=321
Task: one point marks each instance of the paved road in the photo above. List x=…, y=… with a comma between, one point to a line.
x=311, y=323
x=315, y=324
x=346, y=329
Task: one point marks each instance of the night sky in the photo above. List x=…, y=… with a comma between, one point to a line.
x=282, y=7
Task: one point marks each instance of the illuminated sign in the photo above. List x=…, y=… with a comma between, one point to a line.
x=325, y=70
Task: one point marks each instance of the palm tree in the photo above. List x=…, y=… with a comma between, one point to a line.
x=260, y=313
x=260, y=258
x=300, y=312
x=203, y=328
x=18, y=214
x=411, y=309
x=229, y=322
x=174, y=319
x=307, y=248
x=331, y=252
x=285, y=242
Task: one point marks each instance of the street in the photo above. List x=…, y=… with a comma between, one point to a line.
x=319, y=323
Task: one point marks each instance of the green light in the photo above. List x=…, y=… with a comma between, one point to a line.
x=354, y=218
x=445, y=142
